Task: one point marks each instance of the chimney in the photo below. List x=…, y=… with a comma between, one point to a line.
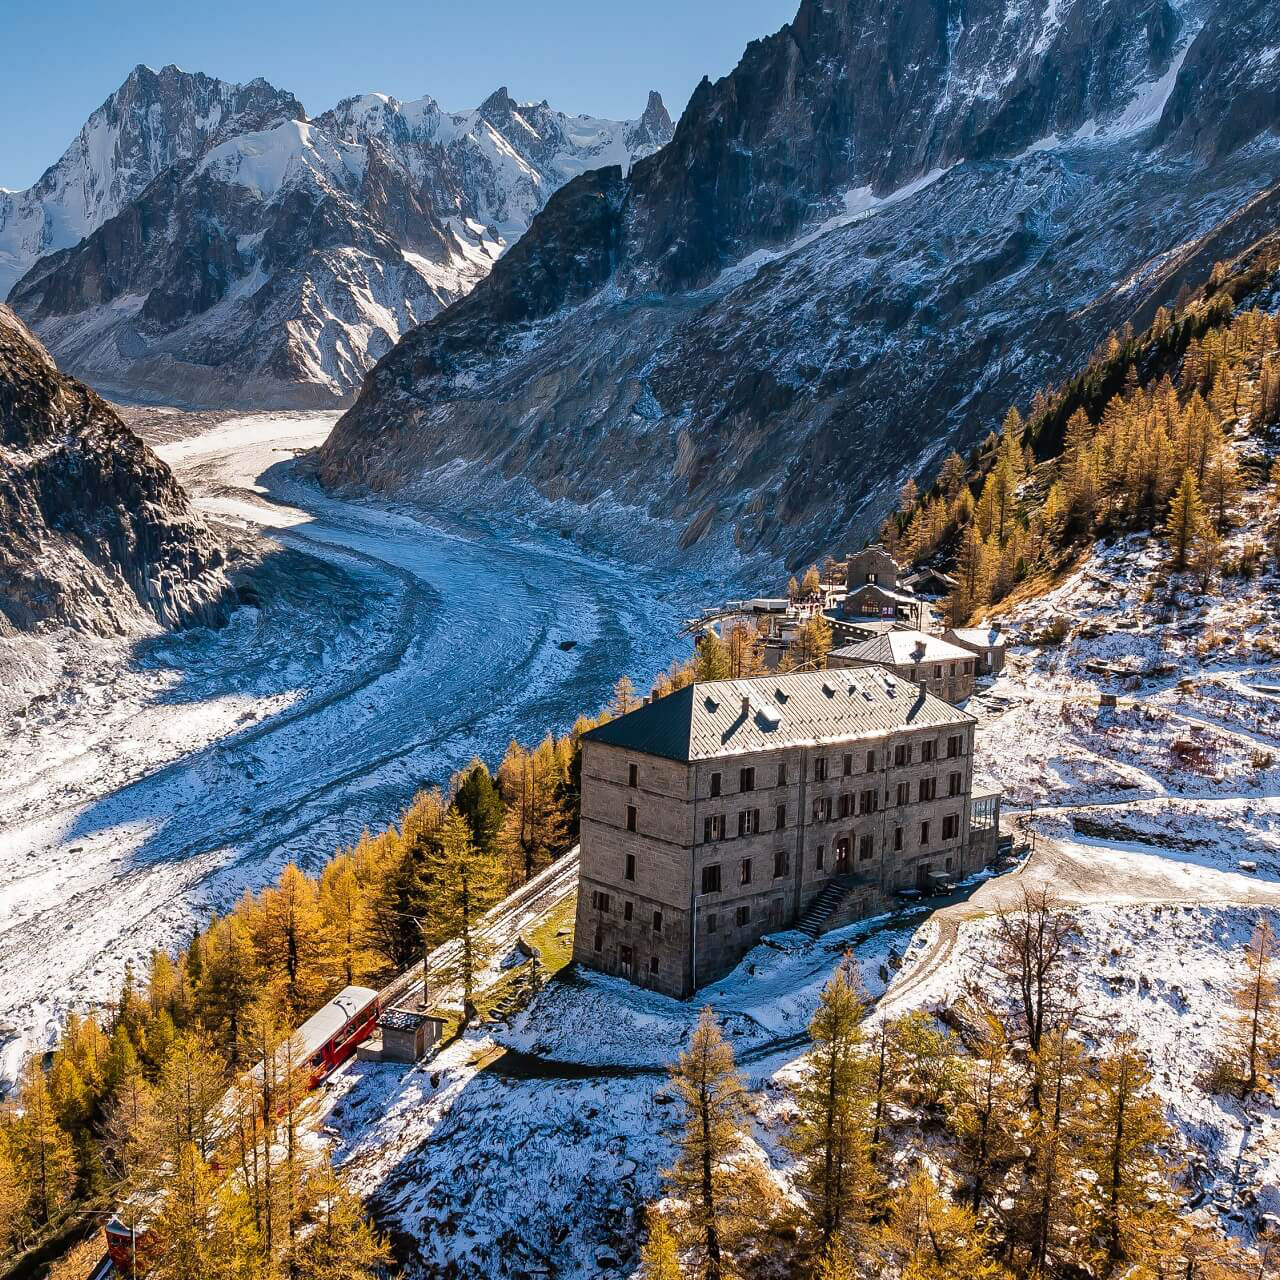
x=746, y=706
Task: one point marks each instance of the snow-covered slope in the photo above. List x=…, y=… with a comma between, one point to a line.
x=153, y=120
x=274, y=263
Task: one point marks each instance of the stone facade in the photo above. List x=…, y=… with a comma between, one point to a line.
x=686, y=864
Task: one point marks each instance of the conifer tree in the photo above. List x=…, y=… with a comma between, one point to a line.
x=465, y=882
x=203, y=1229
x=660, y=1259
x=832, y=1096
x=341, y=1244
x=930, y=1237
x=711, y=661
x=12, y=1197
x=478, y=800
x=983, y=1114
x=1123, y=1136
x=40, y=1148
x=811, y=584
x=703, y=1178
x=1257, y=1029
x=344, y=911
x=189, y=1093
x=1185, y=521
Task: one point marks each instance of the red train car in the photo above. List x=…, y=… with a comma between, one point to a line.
x=331, y=1035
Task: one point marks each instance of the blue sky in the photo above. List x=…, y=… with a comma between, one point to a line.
x=61, y=58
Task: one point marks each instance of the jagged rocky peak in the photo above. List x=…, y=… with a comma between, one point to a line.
x=95, y=533
x=655, y=127
x=155, y=119
x=885, y=225
x=271, y=261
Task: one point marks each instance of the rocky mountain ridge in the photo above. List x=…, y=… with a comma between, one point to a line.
x=272, y=261
x=883, y=227
x=95, y=533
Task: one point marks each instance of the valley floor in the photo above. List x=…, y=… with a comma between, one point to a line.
x=145, y=782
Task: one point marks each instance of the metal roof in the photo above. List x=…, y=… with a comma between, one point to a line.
x=903, y=649
x=718, y=718
x=405, y=1019
x=327, y=1022
x=987, y=637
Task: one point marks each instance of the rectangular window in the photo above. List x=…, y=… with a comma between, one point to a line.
x=711, y=879
x=653, y=964
x=744, y=871
x=902, y=754
x=871, y=762
x=712, y=923
x=630, y=870
x=897, y=839
x=781, y=863
x=715, y=784
x=713, y=828
x=937, y=672
x=866, y=847
x=782, y=774
x=954, y=782
x=599, y=941
x=631, y=817
x=748, y=822
x=633, y=775
x=600, y=901
x=780, y=818
x=846, y=804
x=817, y=862
x=955, y=745
x=867, y=801
x=822, y=809
x=953, y=668
x=747, y=780
x=848, y=763
x=924, y=833
x=657, y=922
x=951, y=826
x=904, y=792
x=742, y=916
x=820, y=769
x=928, y=750
x=628, y=909
x=928, y=788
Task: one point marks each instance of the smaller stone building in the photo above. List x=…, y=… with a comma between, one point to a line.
x=986, y=642
x=874, y=590
x=941, y=668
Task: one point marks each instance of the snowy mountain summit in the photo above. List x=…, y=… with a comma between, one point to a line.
x=209, y=243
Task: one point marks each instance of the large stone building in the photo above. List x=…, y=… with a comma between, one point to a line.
x=874, y=590
x=946, y=670
x=735, y=808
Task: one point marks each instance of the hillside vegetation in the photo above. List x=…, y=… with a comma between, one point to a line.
x=1162, y=431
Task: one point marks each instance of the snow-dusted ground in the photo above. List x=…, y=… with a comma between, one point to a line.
x=532, y=1145
x=145, y=782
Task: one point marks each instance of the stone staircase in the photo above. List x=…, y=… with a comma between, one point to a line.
x=824, y=906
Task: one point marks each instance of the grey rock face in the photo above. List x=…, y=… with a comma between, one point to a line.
x=888, y=223
x=95, y=533
x=155, y=119
x=277, y=262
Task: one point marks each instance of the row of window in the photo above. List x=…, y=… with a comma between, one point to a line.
x=602, y=902
x=903, y=754
x=711, y=877
x=825, y=808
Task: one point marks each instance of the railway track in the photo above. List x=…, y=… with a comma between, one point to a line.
x=500, y=925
